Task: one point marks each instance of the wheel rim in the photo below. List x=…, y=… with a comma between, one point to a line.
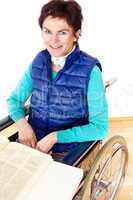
x=111, y=147
x=109, y=176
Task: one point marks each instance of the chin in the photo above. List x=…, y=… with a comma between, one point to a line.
x=56, y=53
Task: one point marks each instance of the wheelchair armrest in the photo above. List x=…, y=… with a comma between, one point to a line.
x=8, y=127
x=5, y=122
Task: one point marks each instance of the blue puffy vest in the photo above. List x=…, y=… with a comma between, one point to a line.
x=60, y=103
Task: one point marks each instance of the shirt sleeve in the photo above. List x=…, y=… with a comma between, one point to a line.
x=98, y=114
x=19, y=96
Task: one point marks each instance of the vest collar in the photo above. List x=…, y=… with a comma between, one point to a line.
x=60, y=61
x=69, y=59
x=72, y=57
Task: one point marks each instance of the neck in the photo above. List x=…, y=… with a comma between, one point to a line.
x=60, y=61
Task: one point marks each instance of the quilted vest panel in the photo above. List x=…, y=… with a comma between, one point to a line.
x=60, y=103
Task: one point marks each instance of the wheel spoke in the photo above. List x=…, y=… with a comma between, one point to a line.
x=107, y=177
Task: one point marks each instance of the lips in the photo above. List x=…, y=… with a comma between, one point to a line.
x=55, y=47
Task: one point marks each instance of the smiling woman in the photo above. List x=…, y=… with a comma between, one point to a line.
x=68, y=104
x=58, y=36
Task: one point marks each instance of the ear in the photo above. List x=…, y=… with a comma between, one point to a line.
x=77, y=34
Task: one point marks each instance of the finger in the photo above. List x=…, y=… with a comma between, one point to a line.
x=40, y=149
x=33, y=143
x=27, y=142
x=21, y=141
x=37, y=147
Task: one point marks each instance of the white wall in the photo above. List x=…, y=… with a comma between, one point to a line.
x=107, y=34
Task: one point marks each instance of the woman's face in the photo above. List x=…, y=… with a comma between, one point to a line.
x=58, y=36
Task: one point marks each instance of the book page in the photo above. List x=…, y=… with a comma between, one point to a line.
x=27, y=174
x=60, y=182
x=3, y=142
x=20, y=167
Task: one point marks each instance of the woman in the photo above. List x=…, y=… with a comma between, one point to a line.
x=67, y=104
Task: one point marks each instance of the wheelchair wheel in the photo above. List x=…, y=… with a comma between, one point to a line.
x=107, y=173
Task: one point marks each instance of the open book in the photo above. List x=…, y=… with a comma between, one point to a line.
x=27, y=174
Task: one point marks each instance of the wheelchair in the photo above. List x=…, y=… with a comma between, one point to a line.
x=104, y=165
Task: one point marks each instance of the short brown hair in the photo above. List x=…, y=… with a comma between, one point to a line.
x=69, y=10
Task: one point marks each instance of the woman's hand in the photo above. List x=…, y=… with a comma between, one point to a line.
x=26, y=133
x=45, y=144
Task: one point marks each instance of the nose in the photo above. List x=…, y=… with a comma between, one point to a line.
x=55, y=38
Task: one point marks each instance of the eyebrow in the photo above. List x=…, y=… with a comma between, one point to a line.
x=65, y=29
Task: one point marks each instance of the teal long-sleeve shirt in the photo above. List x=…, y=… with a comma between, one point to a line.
x=97, y=104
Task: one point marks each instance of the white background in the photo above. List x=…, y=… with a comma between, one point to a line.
x=107, y=34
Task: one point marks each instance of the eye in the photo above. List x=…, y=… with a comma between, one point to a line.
x=62, y=33
x=46, y=31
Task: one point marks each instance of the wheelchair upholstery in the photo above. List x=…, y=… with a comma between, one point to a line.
x=76, y=155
